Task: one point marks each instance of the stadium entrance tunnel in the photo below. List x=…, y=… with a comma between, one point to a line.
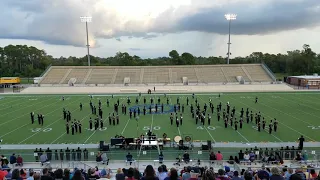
x=166, y=108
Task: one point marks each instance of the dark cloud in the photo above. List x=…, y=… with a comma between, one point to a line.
x=57, y=21
x=254, y=19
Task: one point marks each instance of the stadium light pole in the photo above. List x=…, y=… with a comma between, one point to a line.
x=87, y=19
x=230, y=17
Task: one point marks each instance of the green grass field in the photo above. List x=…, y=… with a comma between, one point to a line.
x=297, y=113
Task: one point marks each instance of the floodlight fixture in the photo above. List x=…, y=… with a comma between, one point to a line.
x=86, y=19
x=230, y=17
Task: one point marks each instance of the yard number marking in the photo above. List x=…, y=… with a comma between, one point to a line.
x=314, y=127
x=209, y=127
x=147, y=128
x=35, y=130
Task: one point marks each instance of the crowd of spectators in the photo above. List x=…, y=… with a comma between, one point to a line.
x=162, y=173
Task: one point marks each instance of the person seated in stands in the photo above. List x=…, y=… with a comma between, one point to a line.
x=129, y=158
x=104, y=158
x=43, y=158
x=19, y=161
x=4, y=160
x=271, y=159
x=98, y=157
x=298, y=157
x=161, y=158
x=246, y=157
x=13, y=159
x=241, y=154
x=236, y=160
x=252, y=156
x=186, y=157
x=231, y=160
x=212, y=156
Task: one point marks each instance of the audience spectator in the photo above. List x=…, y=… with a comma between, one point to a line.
x=9, y=175
x=104, y=158
x=241, y=155
x=313, y=174
x=46, y=174
x=231, y=160
x=288, y=173
x=219, y=156
x=236, y=160
x=66, y=174
x=77, y=175
x=236, y=176
x=212, y=156
x=23, y=174
x=300, y=172
x=252, y=156
x=3, y=174
x=43, y=159
x=161, y=174
x=221, y=175
x=31, y=173
x=262, y=174
x=186, y=175
x=161, y=157
x=129, y=158
x=92, y=174
x=13, y=159
x=208, y=175
x=130, y=174
x=247, y=175
x=36, y=176
x=19, y=161
x=120, y=175
x=149, y=174
x=186, y=157
x=276, y=175
x=246, y=157
x=106, y=173
x=16, y=174
x=194, y=176
x=173, y=175
x=295, y=177
x=58, y=174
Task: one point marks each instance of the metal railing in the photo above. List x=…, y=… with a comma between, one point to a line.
x=168, y=154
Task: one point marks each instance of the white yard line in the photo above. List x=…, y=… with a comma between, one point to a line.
x=210, y=134
x=231, y=126
x=27, y=114
x=296, y=109
x=10, y=103
x=125, y=126
x=51, y=123
x=129, y=120
x=278, y=121
x=19, y=109
x=179, y=132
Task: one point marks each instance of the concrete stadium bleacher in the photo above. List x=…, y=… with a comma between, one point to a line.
x=197, y=74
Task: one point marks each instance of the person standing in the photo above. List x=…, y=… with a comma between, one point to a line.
x=301, y=140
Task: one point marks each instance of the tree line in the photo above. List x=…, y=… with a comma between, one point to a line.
x=29, y=61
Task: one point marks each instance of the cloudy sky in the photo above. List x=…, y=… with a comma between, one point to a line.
x=151, y=28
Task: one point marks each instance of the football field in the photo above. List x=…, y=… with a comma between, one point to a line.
x=297, y=114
